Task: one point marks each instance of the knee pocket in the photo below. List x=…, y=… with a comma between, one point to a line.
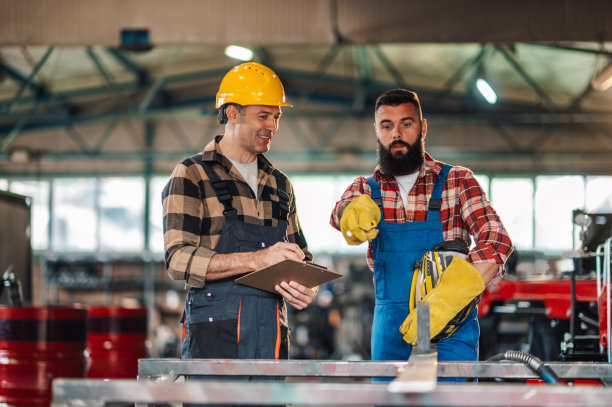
x=215, y=339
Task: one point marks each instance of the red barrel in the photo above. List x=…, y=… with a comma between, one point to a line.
x=116, y=339
x=37, y=345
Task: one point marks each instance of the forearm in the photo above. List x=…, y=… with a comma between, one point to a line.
x=488, y=271
x=223, y=265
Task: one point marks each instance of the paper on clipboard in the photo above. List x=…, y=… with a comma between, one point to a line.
x=306, y=274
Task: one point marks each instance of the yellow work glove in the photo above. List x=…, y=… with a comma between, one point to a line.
x=359, y=219
x=460, y=283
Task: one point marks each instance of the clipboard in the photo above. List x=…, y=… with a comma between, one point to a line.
x=310, y=275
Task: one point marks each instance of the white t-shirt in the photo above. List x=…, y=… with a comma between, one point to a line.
x=406, y=182
x=248, y=172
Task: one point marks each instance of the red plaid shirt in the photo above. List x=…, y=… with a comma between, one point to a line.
x=465, y=211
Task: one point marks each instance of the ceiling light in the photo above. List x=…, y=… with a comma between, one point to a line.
x=240, y=53
x=603, y=80
x=486, y=91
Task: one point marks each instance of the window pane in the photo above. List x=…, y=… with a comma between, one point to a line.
x=599, y=195
x=156, y=236
x=121, y=214
x=39, y=192
x=74, y=214
x=556, y=198
x=3, y=184
x=512, y=198
x=315, y=199
x=483, y=180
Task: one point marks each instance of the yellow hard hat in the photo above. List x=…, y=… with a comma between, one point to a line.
x=251, y=84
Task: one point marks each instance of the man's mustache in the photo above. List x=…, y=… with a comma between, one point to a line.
x=396, y=142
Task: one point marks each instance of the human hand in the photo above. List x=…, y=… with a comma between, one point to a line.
x=296, y=294
x=276, y=253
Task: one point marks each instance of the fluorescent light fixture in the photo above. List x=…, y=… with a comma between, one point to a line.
x=240, y=53
x=603, y=80
x=486, y=91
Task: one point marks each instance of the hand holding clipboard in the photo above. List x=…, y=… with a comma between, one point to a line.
x=307, y=274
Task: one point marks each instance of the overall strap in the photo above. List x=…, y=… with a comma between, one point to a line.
x=435, y=202
x=220, y=187
x=283, y=198
x=376, y=196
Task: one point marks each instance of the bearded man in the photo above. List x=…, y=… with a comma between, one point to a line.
x=412, y=205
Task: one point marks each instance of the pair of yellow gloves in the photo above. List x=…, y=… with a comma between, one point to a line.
x=460, y=283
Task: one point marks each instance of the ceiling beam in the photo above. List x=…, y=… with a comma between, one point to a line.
x=359, y=159
x=391, y=69
x=530, y=81
x=29, y=80
x=158, y=83
x=141, y=74
x=44, y=121
x=317, y=76
x=106, y=74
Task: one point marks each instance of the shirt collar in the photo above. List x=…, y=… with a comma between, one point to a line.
x=213, y=152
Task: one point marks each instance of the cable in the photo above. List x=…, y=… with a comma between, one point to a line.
x=533, y=362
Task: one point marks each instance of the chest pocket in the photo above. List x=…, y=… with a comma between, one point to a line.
x=401, y=237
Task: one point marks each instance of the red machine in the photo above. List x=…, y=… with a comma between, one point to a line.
x=563, y=318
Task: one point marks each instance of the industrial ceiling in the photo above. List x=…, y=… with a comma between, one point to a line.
x=128, y=87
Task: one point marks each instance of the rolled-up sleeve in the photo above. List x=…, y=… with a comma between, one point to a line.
x=359, y=187
x=183, y=212
x=492, y=243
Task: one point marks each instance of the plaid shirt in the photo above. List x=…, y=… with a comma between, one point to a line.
x=193, y=216
x=465, y=210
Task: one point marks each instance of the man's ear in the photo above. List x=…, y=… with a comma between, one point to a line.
x=424, y=128
x=233, y=115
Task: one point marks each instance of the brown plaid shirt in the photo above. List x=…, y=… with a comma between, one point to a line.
x=193, y=216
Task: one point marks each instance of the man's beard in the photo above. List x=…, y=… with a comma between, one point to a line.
x=401, y=163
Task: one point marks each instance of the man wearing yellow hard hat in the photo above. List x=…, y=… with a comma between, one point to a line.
x=228, y=211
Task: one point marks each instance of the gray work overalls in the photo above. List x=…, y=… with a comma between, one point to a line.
x=228, y=320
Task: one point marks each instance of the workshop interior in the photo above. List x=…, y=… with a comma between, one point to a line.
x=100, y=100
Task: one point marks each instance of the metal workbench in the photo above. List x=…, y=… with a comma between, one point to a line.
x=340, y=383
x=308, y=383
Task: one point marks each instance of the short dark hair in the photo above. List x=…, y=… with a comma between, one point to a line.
x=222, y=115
x=396, y=97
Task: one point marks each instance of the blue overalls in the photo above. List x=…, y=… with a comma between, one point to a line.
x=395, y=250
x=228, y=320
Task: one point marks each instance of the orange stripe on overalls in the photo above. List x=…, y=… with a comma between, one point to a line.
x=278, y=333
x=238, y=328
